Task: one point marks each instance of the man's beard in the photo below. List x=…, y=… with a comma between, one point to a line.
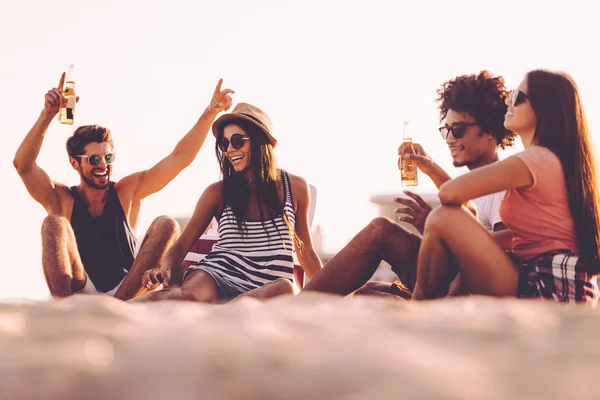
x=470, y=164
x=90, y=181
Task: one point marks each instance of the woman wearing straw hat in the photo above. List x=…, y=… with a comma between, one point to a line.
x=262, y=213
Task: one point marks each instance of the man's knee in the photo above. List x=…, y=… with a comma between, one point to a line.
x=165, y=225
x=382, y=229
x=53, y=224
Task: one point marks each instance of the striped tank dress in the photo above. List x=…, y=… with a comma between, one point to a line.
x=261, y=253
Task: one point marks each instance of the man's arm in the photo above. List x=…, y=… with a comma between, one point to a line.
x=145, y=183
x=36, y=180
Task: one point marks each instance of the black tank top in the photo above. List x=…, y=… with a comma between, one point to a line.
x=106, y=243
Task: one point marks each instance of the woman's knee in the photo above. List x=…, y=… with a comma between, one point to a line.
x=283, y=286
x=200, y=287
x=444, y=216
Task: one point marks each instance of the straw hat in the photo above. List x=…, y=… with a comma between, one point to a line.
x=249, y=113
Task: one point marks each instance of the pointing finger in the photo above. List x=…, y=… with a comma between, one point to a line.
x=61, y=82
x=218, y=88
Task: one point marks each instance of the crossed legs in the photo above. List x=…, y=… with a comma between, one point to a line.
x=65, y=273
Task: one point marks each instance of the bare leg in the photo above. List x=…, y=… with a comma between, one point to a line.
x=160, y=236
x=269, y=290
x=355, y=264
x=452, y=231
x=61, y=262
x=199, y=286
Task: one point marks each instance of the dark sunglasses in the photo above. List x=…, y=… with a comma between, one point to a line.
x=94, y=159
x=517, y=97
x=237, y=141
x=458, y=130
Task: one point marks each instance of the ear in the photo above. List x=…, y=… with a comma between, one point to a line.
x=74, y=163
x=489, y=136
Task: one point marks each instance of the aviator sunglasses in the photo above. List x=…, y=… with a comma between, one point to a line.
x=458, y=130
x=237, y=141
x=94, y=159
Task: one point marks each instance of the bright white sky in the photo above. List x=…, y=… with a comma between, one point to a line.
x=336, y=77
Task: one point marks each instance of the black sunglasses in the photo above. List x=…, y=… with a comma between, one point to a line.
x=94, y=159
x=517, y=97
x=237, y=141
x=458, y=130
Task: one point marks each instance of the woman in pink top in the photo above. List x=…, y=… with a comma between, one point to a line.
x=551, y=208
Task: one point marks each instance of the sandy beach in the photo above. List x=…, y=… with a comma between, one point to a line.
x=304, y=347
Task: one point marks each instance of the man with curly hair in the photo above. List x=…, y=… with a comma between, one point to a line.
x=472, y=109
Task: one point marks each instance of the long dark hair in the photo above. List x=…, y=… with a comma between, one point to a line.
x=237, y=190
x=562, y=128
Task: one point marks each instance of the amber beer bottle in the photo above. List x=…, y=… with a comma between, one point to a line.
x=67, y=114
x=409, y=167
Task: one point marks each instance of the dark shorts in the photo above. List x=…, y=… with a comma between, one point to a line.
x=228, y=290
x=560, y=276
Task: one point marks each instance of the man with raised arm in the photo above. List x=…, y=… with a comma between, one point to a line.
x=88, y=241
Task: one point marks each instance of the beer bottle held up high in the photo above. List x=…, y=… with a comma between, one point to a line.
x=67, y=114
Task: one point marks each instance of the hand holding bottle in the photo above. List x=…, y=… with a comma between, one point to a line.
x=55, y=99
x=418, y=155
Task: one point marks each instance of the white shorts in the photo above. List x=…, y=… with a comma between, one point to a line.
x=89, y=288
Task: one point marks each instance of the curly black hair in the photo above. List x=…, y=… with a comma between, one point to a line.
x=484, y=97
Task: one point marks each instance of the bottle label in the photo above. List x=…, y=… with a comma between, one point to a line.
x=71, y=102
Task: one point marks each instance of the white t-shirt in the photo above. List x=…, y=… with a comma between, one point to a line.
x=488, y=209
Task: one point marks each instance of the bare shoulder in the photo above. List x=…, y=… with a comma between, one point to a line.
x=300, y=190
x=127, y=186
x=297, y=180
x=211, y=199
x=214, y=191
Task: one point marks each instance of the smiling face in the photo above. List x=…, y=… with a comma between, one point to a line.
x=474, y=149
x=520, y=116
x=239, y=158
x=95, y=176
